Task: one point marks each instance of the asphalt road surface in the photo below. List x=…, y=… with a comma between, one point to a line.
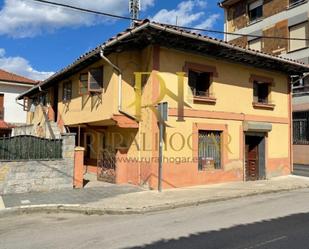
x=264, y=222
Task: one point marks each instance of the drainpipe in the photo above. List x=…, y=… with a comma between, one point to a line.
x=119, y=85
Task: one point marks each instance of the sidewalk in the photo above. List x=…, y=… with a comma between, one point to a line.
x=112, y=199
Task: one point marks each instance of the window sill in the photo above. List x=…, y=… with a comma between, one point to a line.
x=210, y=170
x=206, y=100
x=263, y=106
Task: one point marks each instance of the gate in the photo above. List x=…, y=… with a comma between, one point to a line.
x=106, y=170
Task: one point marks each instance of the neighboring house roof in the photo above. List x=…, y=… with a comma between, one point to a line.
x=146, y=32
x=11, y=77
x=5, y=126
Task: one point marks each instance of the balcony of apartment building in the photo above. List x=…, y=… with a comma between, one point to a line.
x=301, y=87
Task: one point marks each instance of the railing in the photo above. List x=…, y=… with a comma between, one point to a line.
x=197, y=93
x=2, y=114
x=301, y=89
x=301, y=128
x=21, y=148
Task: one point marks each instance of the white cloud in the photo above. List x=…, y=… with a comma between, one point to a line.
x=189, y=12
x=21, y=66
x=2, y=52
x=24, y=18
x=209, y=22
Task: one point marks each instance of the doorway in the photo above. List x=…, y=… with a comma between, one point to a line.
x=255, y=166
x=55, y=103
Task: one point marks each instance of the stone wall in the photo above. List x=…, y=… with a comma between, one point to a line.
x=34, y=176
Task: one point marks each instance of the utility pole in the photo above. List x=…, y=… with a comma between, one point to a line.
x=163, y=116
x=134, y=8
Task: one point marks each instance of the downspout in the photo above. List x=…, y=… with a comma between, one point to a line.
x=120, y=110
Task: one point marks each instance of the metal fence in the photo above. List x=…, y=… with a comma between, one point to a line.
x=29, y=148
x=301, y=127
x=209, y=150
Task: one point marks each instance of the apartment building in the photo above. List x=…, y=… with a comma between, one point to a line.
x=228, y=108
x=253, y=23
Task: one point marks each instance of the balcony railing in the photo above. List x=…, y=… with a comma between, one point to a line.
x=200, y=94
x=301, y=89
x=2, y=114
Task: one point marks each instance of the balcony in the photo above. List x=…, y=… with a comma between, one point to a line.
x=301, y=90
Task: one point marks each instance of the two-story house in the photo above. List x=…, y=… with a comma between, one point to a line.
x=259, y=25
x=11, y=112
x=229, y=108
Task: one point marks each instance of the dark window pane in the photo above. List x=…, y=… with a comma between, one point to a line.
x=256, y=13
x=260, y=92
x=67, y=91
x=96, y=79
x=199, y=83
x=83, y=83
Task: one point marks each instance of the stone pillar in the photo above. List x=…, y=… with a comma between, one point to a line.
x=78, y=179
x=68, y=154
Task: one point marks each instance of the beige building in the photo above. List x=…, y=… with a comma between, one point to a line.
x=249, y=21
x=228, y=108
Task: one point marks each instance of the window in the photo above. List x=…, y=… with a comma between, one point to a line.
x=27, y=104
x=209, y=150
x=95, y=83
x=255, y=44
x=296, y=2
x=298, y=31
x=83, y=83
x=199, y=83
x=67, y=91
x=260, y=92
x=43, y=99
x=301, y=127
x=255, y=10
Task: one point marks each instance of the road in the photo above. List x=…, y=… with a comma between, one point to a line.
x=268, y=221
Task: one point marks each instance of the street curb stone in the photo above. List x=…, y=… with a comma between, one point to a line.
x=86, y=210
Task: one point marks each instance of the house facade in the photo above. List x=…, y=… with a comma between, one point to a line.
x=11, y=112
x=277, y=18
x=229, y=108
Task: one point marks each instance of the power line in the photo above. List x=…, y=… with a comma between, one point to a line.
x=83, y=9
x=174, y=26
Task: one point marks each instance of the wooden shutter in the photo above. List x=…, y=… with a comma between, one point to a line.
x=95, y=81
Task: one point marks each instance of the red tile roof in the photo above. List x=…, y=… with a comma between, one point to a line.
x=11, y=77
x=4, y=125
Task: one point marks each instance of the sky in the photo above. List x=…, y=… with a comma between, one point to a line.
x=37, y=40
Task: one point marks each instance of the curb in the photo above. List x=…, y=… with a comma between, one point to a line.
x=86, y=210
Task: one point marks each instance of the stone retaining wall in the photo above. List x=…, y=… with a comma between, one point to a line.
x=33, y=176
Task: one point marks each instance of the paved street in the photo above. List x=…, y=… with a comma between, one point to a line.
x=267, y=221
